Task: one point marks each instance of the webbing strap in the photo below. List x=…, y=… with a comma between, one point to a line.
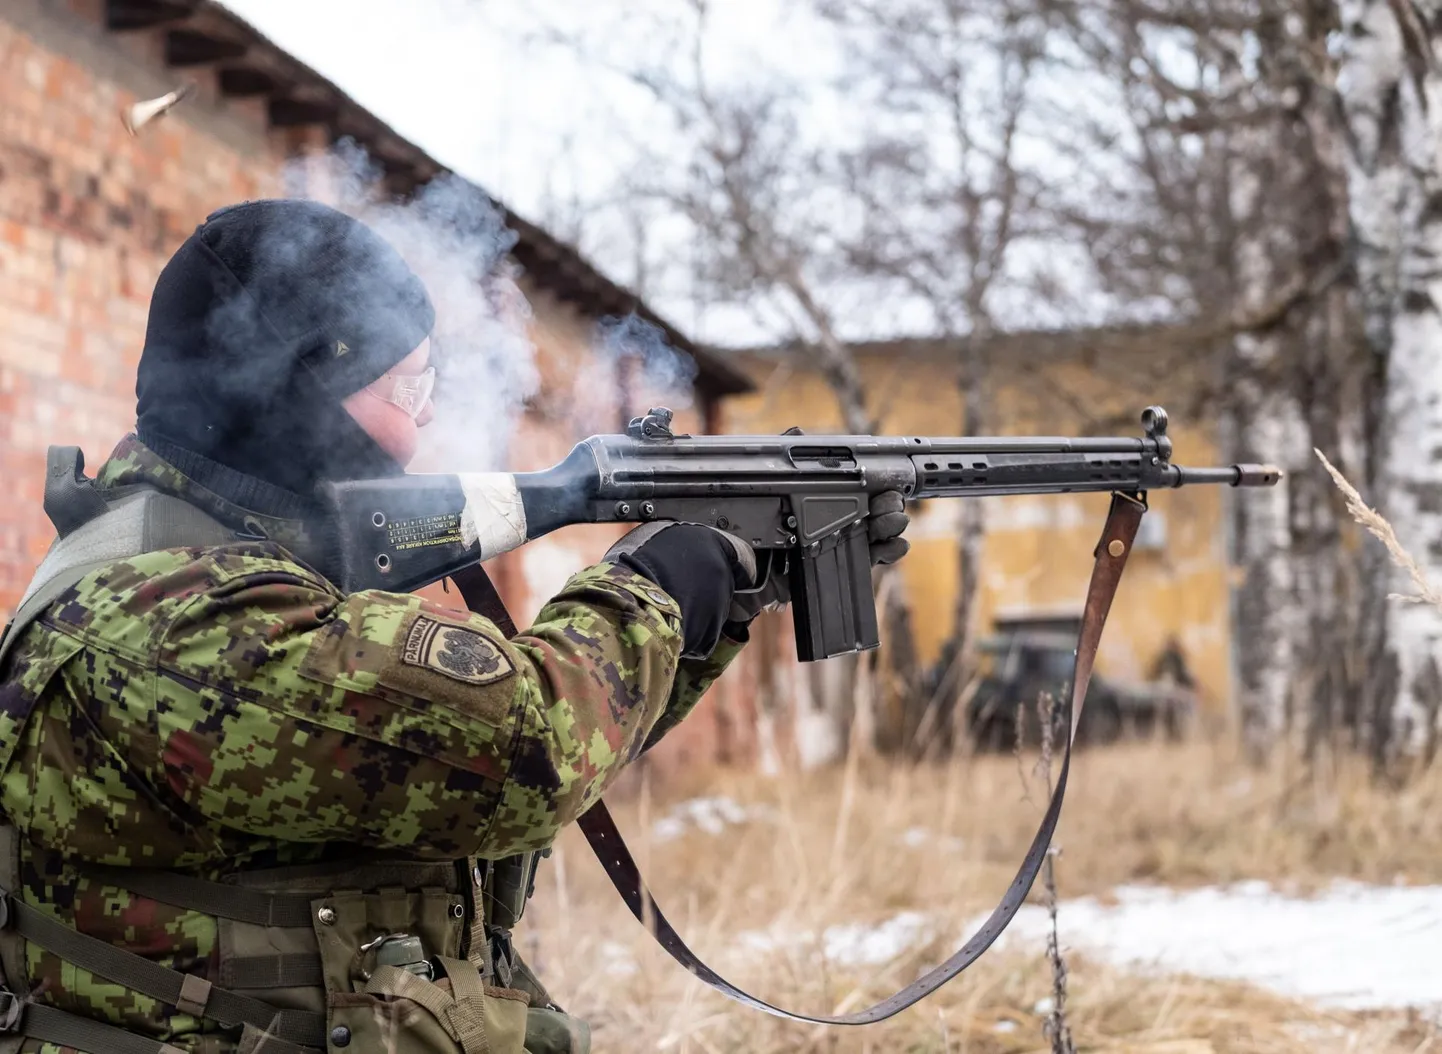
x=209, y=898
x=138, y=521
x=610, y=848
x=461, y=1013
x=269, y=1043
x=74, y=1032
x=481, y=597
x=13, y=973
x=159, y=982
x=294, y=970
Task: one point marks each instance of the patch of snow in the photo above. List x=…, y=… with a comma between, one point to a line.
x=1353, y=947
x=849, y=944
x=767, y=940
x=1240, y=788
x=616, y=959
x=711, y=815
x=921, y=838
x=860, y=945
x=1004, y=1026
x=668, y=829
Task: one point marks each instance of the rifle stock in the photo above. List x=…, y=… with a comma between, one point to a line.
x=802, y=499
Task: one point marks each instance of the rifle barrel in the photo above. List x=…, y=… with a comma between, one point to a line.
x=1233, y=475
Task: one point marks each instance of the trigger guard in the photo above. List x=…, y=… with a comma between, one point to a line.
x=761, y=577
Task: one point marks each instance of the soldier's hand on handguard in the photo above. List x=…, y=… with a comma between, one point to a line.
x=699, y=566
x=884, y=529
x=886, y=522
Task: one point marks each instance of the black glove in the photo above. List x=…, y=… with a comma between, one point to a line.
x=700, y=567
x=884, y=527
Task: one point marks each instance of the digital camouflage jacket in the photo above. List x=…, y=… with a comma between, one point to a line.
x=227, y=708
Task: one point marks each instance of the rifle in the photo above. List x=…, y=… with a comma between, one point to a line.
x=796, y=498
x=799, y=500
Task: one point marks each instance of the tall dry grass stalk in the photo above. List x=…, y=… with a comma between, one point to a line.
x=1378, y=526
x=942, y=841
x=1056, y=1028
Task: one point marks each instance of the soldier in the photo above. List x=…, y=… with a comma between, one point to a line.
x=244, y=816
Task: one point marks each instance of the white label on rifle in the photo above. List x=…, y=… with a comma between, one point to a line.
x=494, y=515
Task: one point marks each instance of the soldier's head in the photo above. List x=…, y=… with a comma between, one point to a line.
x=289, y=342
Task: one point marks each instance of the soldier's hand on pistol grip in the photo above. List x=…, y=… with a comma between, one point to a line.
x=886, y=522
x=699, y=566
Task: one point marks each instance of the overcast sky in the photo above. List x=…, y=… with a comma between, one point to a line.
x=550, y=131
x=472, y=83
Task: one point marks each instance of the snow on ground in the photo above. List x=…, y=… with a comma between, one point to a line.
x=1354, y=946
x=921, y=838
x=711, y=815
x=856, y=944
x=616, y=959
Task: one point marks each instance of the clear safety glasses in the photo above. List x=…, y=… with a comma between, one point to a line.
x=409, y=393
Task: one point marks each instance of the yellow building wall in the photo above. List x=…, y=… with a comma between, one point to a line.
x=1038, y=550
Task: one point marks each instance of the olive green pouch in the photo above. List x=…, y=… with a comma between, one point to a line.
x=549, y=1029
x=405, y=1013
x=255, y=1041
x=437, y=1004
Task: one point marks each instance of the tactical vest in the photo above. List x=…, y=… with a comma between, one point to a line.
x=374, y=954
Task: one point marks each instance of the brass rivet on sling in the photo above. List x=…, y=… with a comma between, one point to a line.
x=1116, y=547
x=326, y=916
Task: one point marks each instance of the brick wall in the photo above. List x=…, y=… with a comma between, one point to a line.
x=88, y=216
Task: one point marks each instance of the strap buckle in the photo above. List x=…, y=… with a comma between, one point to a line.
x=12, y=1009
x=503, y=955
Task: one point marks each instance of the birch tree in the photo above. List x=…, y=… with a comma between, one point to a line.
x=1389, y=86
x=1236, y=181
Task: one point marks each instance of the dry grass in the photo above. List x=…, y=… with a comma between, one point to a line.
x=1380, y=529
x=1182, y=815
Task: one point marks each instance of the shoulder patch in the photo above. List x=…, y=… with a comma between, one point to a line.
x=454, y=651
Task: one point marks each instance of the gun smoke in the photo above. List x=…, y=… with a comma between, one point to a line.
x=488, y=363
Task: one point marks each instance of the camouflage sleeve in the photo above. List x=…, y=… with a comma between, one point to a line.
x=693, y=678
x=388, y=720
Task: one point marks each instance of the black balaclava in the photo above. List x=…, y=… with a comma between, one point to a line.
x=267, y=317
